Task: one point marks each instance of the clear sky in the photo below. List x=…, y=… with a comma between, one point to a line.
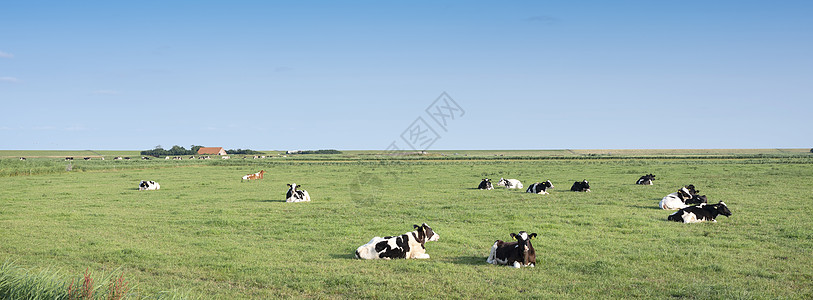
x=130, y=75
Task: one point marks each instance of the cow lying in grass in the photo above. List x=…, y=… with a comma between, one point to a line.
x=646, y=179
x=294, y=195
x=700, y=213
x=510, y=183
x=485, y=184
x=258, y=175
x=684, y=197
x=148, y=185
x=408, y=245
x=582, y=186
x=516, y=254
x=540, y=188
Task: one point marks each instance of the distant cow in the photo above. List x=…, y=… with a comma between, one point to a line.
x=69, y=158
x=408, y=245
x=517, y=254
x=510, y=183
x=148, y=185
x=580, y=186
x=258, y=175
x=294, y=195
x=120, y=158
x=485, y=184
x=87, y=158
x=540, y=188
x=22, y=158
x=646, y=179
x=700, y=213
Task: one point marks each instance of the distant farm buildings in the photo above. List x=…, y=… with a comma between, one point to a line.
x=211, y=151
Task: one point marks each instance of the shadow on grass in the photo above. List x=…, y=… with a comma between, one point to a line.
x=271, y=201
x=645, y=206
x=469, y=260
x=344, y=256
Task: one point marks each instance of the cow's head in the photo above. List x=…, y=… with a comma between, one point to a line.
x=697, y=199
x=548, y=184
x=528, y=252
x=585, y=184
x=502, y=182
x=293, y=186
x=691, y=190
x=722, y=209
x=684, y=194
x=424, y=231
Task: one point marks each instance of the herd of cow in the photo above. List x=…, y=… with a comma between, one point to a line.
x=691, y=206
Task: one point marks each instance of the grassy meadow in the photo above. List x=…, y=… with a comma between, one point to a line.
x=206, y=234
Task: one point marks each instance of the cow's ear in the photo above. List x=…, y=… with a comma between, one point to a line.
x=514, y=235
x=289, y=185
x=532, y=236
x=416, y=226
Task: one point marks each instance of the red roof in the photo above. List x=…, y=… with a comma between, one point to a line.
x=211, y=150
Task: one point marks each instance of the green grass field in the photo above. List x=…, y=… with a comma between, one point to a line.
x=205, y=234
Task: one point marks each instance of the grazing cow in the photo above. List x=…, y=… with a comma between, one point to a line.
x=582, y=186
x=510, y=183
x=676, y=200
x=258, y=175
x=22, y=158
x=517, y=254
x=408, y=245
x=148, y=185
x=126, y=158
x=120, y=158
x=700, y=213
x=485, y=184
x=294, y=195
x=540, y=188
x=145, y=158
x=646, y=179
x=69, y=158
x=87, y=158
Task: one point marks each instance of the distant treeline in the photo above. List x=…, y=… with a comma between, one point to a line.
x=178, y=150
x=324, y=151
x=243, y=151
x=175, y=150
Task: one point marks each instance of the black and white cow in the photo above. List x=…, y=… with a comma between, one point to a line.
x=294, y=195
x=517, y=254
x=700, y=213
x=148, y=185
x=582, y=186
x=540, y=188
x=22, y=158
x=485, y=184
x=408, y=245
x=676, y=200
x=510, y=183
x=646, y=179
x=69, y=158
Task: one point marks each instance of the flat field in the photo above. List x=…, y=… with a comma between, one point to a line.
x=207, y=234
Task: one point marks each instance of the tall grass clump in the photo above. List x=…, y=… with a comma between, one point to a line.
x=19, y=283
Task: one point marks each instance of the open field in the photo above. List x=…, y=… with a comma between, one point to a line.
x=207, y=234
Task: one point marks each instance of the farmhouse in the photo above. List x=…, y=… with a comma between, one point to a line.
x=211, y=151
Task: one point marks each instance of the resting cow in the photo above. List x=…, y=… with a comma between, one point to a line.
x=148, y=185
x=408, y=245
x=582, y=186
x=294, y=195
x=700, y=213
x=258, y=175
x=540, y=188
x=485, y=184
x=646, y=179
x=517, y=254
x=510, y=183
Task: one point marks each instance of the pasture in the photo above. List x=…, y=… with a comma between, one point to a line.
x=206, y=234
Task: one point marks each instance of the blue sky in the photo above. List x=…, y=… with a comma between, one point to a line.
x=110, y=75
